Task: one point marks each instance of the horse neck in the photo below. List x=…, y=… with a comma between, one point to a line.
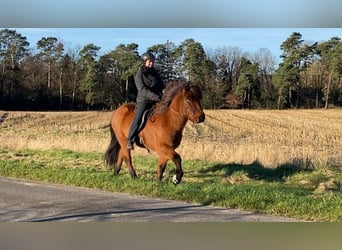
x=177, y=115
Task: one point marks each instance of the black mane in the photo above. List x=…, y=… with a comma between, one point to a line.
x=171, y=90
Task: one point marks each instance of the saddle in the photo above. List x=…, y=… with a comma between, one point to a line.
x=146, y=115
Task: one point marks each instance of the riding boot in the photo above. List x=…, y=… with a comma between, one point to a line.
x=135, y=126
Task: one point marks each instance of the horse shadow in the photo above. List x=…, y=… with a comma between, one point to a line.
x=255, y=171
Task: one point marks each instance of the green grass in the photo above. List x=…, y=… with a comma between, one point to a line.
x=285, y=191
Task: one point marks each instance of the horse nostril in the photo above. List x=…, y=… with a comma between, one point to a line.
x=201, y=118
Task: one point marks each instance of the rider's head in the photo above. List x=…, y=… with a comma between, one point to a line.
x=148, y=59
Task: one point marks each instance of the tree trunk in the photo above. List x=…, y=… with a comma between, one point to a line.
x=60, y=89
x=249, y=97
x=290, y=97
x=279, y=98
x=298, y=96
x=328, y=90
x=317, y=99
x=49, y=76
x=73, y=97
x=74, y=89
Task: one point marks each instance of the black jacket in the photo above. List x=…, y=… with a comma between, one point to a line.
x=149, y=84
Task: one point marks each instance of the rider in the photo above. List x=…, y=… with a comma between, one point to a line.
x=150, y=89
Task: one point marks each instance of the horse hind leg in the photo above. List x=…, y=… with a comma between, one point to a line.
x=126, y=156
x=118, y=164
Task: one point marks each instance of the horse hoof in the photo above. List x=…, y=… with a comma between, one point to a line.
x=175, y=180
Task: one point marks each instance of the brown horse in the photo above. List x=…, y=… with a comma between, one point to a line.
x=162, y=132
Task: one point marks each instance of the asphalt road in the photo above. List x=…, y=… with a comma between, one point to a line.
x=33, y=201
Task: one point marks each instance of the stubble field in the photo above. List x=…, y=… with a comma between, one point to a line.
x=306, y=138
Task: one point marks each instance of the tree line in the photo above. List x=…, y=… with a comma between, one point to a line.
x=51, y=76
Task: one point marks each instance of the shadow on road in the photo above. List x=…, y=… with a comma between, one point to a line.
x=109, y=213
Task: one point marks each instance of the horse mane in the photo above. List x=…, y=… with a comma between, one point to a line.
x=171, y=90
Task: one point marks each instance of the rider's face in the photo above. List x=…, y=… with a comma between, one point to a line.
x=149, y=63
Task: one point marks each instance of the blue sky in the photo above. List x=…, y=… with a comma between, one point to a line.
x=248, y=39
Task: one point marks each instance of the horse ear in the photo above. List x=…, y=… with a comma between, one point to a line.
x=186, y=92
x=187, y=87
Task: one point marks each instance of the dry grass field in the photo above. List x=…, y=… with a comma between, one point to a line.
x=309, y=138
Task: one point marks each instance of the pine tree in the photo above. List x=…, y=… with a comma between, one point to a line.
x=13, y=49
x=88, y=55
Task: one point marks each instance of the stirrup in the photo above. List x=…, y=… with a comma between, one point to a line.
x=130, y=146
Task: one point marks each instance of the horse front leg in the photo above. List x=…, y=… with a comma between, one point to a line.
x=177, y=178
x=162, y=161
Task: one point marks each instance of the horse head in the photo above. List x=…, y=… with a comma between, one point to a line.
x=192, y=102
x=183, y=97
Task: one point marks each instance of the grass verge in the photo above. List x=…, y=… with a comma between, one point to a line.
x=287, y=190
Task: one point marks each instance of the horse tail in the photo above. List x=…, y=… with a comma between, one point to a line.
x=113, y=149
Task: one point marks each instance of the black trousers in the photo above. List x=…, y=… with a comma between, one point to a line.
x=141, y=107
